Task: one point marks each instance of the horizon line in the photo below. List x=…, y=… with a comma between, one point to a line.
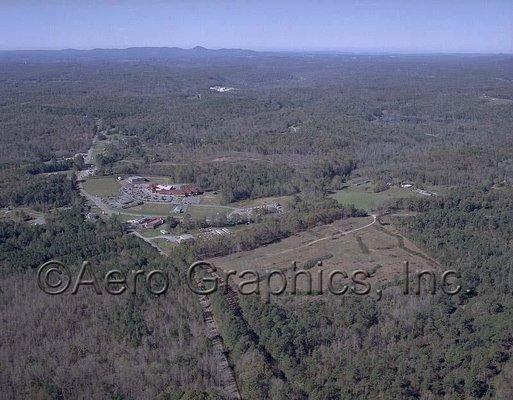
x=347, y=50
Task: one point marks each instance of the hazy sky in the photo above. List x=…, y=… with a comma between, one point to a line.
x=393, y=25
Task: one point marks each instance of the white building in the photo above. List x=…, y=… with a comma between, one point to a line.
x=137, y=179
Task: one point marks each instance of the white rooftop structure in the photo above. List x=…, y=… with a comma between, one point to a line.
x=165, y=187
x=222, y=89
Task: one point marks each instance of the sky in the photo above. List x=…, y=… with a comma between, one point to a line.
x=482, y=26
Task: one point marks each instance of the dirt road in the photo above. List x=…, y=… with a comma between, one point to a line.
x=332, y=236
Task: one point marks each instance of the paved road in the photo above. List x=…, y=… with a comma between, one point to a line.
x=97, y=201
x=150, y=242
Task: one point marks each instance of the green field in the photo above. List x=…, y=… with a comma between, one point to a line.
x=211, y=198
x=208, y=211
x=104, y=186
x=149, y=233
x=165, y=245
x=365, y=199
x=126, y=217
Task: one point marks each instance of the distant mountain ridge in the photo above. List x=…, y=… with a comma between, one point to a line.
x=130, y=53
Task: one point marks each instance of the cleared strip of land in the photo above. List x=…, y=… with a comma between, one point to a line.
x=347, y=245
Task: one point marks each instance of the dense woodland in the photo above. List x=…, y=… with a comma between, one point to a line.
x=413, y=117
x=408, y=347
x=119, y=347
x=296, y=124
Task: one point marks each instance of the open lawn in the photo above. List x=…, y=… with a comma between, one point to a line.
x=165, y=245
x=210, y=198
x=205, y=211
x=103, y=186
x=363, y=198
x=150, y=233
x=126, y=217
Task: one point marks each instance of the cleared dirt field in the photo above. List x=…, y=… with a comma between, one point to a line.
x=375, y=248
